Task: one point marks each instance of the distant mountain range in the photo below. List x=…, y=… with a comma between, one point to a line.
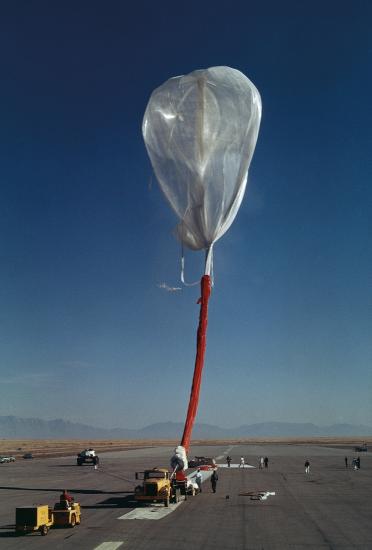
x=12, y=427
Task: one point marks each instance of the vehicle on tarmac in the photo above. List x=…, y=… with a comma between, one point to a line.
x=33, y=518
x=361, y=448
x=158, y=485
x=65, y=515
x=5, y=459
x=41, y=518
x=28, y=456
x=88, y=456
x=202, y=462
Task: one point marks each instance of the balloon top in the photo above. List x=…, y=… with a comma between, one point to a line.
x=200, y=132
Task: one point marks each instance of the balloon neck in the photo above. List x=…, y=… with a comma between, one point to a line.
x=208, y=270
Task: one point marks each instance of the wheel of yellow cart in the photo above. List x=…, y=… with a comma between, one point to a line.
x=73, y=520
x=44, y=530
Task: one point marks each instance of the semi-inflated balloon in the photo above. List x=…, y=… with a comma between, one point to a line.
x=200, y=132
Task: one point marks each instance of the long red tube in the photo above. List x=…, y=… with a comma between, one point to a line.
x=199, y=361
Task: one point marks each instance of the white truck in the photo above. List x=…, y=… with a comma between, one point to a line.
x=88, y=456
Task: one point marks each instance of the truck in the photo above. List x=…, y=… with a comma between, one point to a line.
x=6, y=459
x=202, y=462
x=88, y=456
x=159, y=485
x=361, y=448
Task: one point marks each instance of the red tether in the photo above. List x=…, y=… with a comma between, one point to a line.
x=199, y=361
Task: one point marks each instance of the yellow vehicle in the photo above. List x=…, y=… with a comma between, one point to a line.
x=157, y=486
x=42, y=518
x=33, y=518
x=65, y=515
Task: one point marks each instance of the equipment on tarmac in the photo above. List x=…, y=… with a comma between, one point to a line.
x=257, y=495
x=159, y=485
x=41, y=518
x=33, y=518
x=88, y=456
x=66, y=515
x=202, y=462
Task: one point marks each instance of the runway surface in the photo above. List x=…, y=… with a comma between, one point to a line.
x=331, y=507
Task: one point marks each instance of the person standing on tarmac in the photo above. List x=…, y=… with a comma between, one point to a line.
x=214, y=479
x=198, y=479
x=242, y=463
x=266, y=461
x=228, y=460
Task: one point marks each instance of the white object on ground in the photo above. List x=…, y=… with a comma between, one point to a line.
x=109, y=545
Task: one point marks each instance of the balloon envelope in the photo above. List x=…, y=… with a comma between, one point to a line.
x=200, y=132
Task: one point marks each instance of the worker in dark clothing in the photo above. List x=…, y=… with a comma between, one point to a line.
x=345, y=461
x=65, y=496
x=65, y=500
x=228, y=460
x=358, y=462
x=266, y=461
x=214, y=479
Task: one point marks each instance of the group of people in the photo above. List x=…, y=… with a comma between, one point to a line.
x=355, y=463
x=263, y=462
x=214, y=479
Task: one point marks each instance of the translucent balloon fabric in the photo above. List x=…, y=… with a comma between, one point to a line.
x=200, y=132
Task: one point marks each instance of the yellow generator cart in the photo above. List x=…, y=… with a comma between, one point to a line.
x=33, y=518
x=67, y=516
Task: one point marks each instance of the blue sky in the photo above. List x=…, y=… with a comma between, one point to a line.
x=86, y=236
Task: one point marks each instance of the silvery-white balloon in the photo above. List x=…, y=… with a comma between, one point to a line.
x=200, y=132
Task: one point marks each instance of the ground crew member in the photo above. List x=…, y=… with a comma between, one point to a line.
x=241, y=462
x=307, y=467
x=214, y=479
x=65, y=497
x=198, y=479
x=266, y=461
x=228, y=460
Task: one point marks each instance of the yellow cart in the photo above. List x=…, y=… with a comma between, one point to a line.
x=66, y=515
x=33, y=518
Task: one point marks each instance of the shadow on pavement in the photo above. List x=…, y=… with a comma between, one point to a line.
x=125, y=502
x=9, y=531
x=75, y=491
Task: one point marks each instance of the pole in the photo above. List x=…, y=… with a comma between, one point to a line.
x=199, y=360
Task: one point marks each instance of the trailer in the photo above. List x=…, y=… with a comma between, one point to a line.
x=31, y=519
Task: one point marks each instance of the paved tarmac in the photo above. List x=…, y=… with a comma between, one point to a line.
x=331, y=507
